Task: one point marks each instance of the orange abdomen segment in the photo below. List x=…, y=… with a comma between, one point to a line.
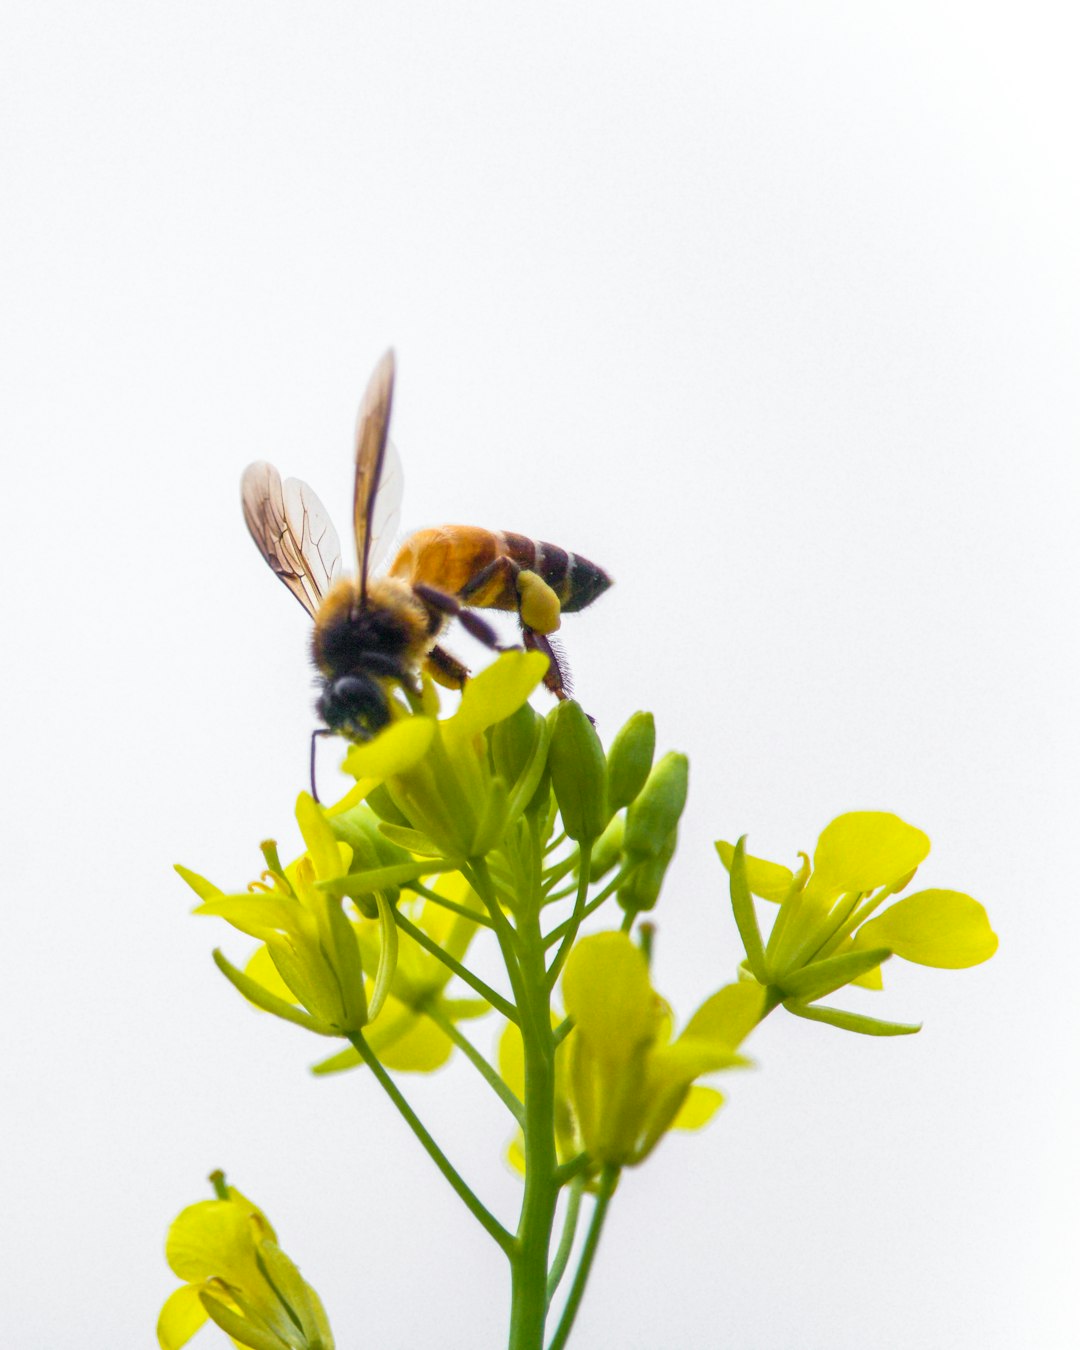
x=451, y=557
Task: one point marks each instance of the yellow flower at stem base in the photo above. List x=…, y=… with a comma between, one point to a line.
x=237, y=1276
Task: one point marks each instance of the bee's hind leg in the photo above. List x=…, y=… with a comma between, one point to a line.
x=557, y=678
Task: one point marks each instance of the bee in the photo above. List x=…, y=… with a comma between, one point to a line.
x=373, y=632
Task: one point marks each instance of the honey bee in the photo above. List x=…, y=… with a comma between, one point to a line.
x=372, y=632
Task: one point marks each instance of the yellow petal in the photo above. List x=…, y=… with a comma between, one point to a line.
x=181, y=1317
x=393, y=751
x=767, y=879
x=946, y=929
x=212, y=1238
x=607, y=992
x=699, y=1107
x=863, y=850
x=495, y=694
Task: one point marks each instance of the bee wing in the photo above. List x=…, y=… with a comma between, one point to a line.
x=371, y=459
x=385, y=515
x=292, y=531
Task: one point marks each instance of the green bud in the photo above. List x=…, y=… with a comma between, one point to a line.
x=642, y=891
x=655, y=812
x=511, y=742
x=607, y=850
x=578, y=772
x=630, y=759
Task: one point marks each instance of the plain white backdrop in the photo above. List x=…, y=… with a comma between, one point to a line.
x=773, y=311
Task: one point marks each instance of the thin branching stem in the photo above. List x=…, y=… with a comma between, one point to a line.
x=476, y=1207
x=608, y=1179
x=476, y=1059
x=462, y=972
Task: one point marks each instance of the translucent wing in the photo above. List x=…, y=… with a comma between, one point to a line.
x=371, y=428
x=385, y=516
x=292, y=531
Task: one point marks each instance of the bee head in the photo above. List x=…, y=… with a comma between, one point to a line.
x=355, y=705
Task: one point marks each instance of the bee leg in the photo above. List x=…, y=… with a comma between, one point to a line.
x=557, y=678
x=449, y=604
x=445, y=669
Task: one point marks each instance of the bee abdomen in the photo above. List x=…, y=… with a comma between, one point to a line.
x=575, y=580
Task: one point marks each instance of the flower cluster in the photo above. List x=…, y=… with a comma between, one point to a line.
x=498, y=828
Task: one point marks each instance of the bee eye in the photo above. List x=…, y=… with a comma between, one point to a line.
x=353, y=702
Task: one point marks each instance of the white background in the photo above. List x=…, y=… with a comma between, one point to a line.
x=772, y=310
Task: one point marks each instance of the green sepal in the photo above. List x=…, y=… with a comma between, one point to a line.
x=388, y=952
x=642, y=889
x=297, y=1296
x=413, y=841
x=262, y=998
x=382, y=803
x=578, y=772
x=361, y=829
x=630, y=759
x=655, y=811
x=385, y=878
x=742, y=905
x=849, y=1021
x=237, y=1326
x=824, y=977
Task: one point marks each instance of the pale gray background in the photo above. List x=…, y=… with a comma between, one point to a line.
x=771, y=309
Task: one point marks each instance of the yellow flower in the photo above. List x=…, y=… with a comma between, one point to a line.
x=628, y=1080
x=824, y=936
x=235, y=1273
x=297, y=913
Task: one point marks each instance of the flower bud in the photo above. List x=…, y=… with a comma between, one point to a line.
x=630, y=759
x=642, y=890
x=607, y=850
x=512, y=741
x=655, y=812
x=578, y=772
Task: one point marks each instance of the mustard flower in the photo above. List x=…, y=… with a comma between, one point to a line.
x=628, y=1079
x=297, y=912
x=824, y=935
x=236, y=1275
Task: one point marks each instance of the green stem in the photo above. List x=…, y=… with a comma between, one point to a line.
x=529, y=1262
x=480, y=1212
x=450, y=1029
x=576, y=917
x=566, y=1242
x=462, y=972
x=452, y=905
x=593, y=905
x=608, y=1180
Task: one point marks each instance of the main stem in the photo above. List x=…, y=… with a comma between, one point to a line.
x=529, y=1257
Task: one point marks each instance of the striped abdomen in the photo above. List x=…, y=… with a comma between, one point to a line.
x=464, y=560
